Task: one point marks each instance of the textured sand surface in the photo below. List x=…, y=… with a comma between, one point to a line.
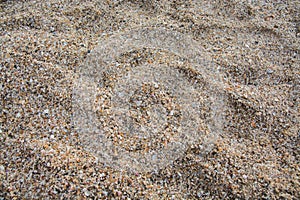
x=250, y=137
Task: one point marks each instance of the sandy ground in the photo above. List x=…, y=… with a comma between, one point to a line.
x=254, y=153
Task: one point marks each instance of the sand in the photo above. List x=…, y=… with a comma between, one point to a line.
x=239, y=64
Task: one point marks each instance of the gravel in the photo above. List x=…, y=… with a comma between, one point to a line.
x=255, y=48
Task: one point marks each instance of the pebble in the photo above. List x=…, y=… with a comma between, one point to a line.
x=86, y=192
x=269, y=71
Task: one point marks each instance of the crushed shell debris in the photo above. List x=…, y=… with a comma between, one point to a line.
x=255, y=44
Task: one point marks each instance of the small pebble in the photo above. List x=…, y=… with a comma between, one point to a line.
x=269, y=71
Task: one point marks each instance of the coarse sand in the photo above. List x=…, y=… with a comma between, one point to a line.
x=241, y=98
